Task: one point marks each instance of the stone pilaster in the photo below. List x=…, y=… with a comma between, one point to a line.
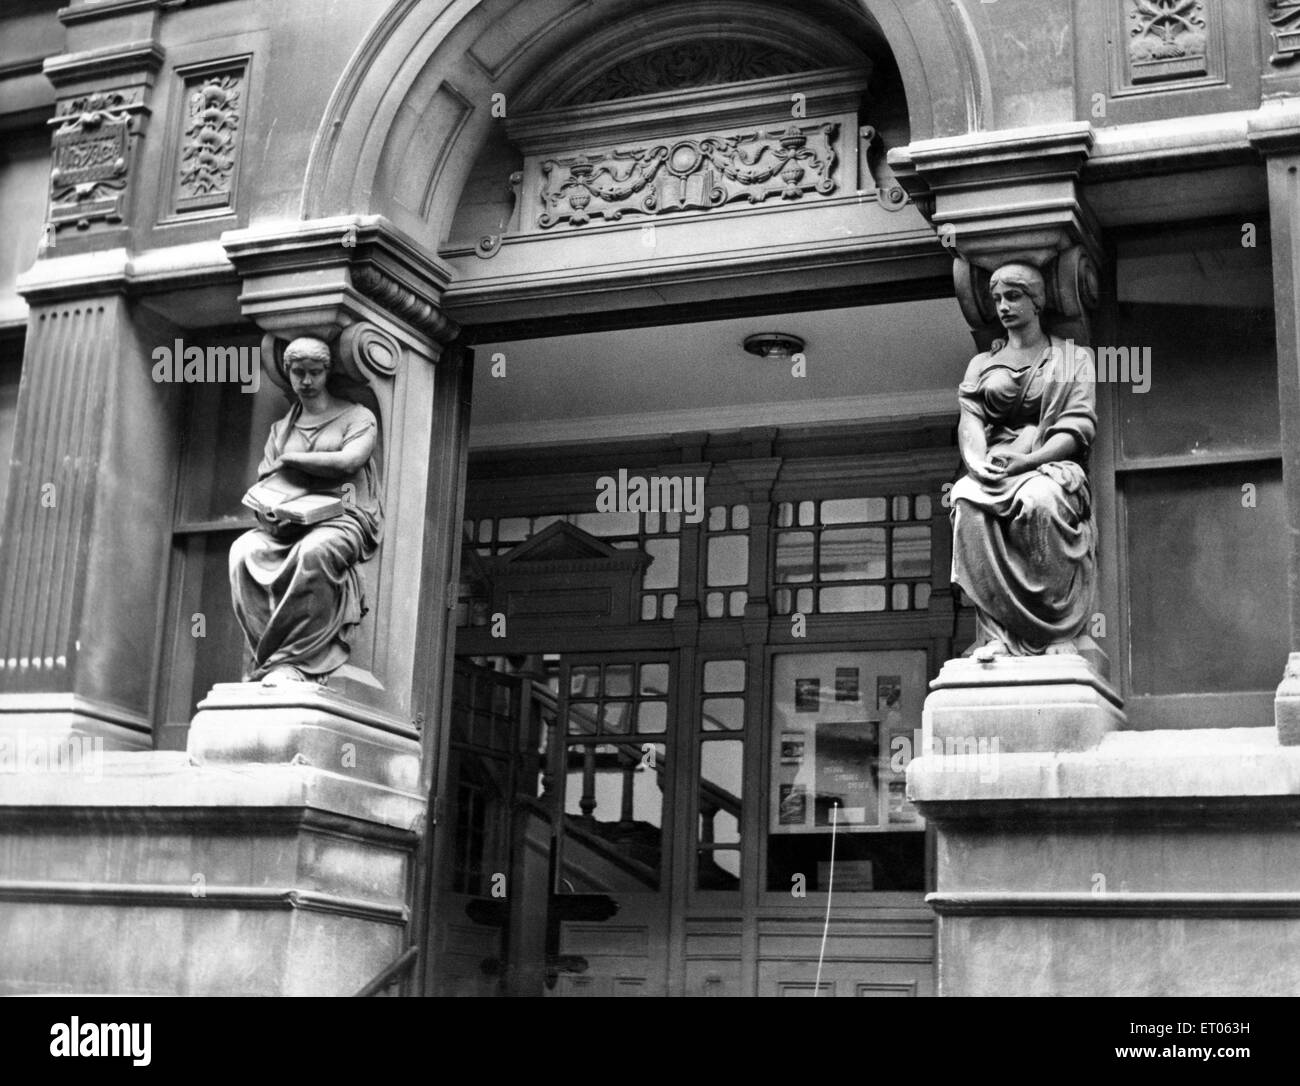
x=1275, y=133
x=84, y=531
x=86, y=524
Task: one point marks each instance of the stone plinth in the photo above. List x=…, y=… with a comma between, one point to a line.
x=1019, y=703
x=304, y=724
x=272, y=859
x=1155, y=863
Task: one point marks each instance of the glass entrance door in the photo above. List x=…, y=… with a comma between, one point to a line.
x=613, y=772
x=558, y=777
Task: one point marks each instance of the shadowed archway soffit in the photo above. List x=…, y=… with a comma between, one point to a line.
x=687, y=46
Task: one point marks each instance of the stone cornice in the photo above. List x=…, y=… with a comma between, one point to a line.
x=172, y=895
x=1008, y=194
x=1122, y=903
x=130, y=58
x=105, y=9
x=981, y=159
x=113, y=271
x=1274, y=129
x=332, y=269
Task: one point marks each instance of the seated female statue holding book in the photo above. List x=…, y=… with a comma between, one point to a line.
x=1024, y=543
x=294, y=580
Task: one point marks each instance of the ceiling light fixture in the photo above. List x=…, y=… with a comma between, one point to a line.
x=779, y=345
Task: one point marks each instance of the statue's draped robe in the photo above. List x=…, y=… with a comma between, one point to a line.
x=1024, y=550
x=297, y=597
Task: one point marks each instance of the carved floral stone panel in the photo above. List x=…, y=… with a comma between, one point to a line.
x=690, y=174
x=90, y=153
x=1166, y=39
x=210, y=140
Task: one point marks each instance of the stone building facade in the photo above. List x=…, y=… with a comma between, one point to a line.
x=733, y=254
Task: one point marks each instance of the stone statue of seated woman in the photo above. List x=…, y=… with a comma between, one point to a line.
x=1024, y=548
x=296, y=588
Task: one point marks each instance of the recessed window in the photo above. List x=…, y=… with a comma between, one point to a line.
x=855, y=554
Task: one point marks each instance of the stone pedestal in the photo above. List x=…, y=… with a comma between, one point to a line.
x=304, y=724
x=1019, y=703
x=273, y=858
x=1087, y=860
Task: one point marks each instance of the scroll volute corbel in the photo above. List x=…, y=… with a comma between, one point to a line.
x=363, y=357
x=1072, y=293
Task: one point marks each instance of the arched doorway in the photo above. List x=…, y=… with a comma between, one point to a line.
x=663, y=170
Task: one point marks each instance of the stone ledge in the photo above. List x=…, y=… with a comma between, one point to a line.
x=1158, y=904
x=1215, y=763
x=161, y=780
x=213, y=897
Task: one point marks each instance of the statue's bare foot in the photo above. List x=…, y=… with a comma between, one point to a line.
x=990, y=649
x=1058, y=648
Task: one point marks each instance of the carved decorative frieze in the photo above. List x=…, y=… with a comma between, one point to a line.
x=1167, y=39
x=1284, y=18
x=696, y=63
x=90, y=157
x=690, y=174
x=210, y=142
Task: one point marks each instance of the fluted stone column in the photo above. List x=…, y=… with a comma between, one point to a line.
x=86, y=527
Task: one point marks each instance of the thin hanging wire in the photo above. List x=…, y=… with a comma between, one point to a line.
x=830, y=889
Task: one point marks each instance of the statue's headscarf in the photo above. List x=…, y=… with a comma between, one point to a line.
x=1025, y=277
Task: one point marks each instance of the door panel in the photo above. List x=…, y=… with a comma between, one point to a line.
x=613, y=768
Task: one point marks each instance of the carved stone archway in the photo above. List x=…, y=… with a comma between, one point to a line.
x=431, y=73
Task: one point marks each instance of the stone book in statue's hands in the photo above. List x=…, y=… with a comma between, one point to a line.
x=281, y=501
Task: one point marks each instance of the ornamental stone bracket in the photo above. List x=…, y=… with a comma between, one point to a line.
x=315, y=278
x=1011, y=195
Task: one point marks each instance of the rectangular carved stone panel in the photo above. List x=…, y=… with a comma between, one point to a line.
x=691, y=174
x=211, y=129
x=1284, y=23
x=90, y=157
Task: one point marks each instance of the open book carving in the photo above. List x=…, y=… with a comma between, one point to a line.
x=279, y=500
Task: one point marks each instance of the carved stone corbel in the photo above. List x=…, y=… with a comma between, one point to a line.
x=1073, y=291
x=1001, y=196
